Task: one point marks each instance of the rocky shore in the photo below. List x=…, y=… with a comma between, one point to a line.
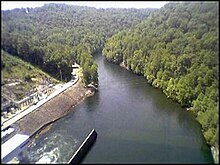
x=53, y=110
x=215, y=154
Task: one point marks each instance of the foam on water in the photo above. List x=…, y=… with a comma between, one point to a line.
x=49, y=157
x=49, y=149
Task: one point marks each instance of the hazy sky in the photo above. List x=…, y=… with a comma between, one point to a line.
x=5, y=5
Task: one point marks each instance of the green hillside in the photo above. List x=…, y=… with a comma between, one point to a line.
x=57, y=35
x=176, y=49
x=19, y=77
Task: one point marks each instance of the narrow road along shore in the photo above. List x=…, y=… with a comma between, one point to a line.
x=53, y=109
x=32, y=108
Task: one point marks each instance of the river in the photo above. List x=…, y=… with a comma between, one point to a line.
x=135, y=123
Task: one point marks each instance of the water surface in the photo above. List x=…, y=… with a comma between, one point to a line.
x=135, y=123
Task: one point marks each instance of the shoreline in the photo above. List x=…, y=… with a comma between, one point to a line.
x=214, y=150
x=215, y=154
x=46, y=127
x=40, y=121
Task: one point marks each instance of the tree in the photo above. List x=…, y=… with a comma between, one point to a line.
x=176, y=49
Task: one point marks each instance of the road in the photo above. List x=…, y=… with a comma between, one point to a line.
x=58, y=89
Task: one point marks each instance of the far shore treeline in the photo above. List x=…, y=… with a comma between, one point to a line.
x=175, y=48
x=55, y=36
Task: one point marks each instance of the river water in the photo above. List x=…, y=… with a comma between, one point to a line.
x=135, y=123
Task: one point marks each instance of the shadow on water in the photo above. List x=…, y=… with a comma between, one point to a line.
x=83, y=156
x=89, y=102
x=136, y=123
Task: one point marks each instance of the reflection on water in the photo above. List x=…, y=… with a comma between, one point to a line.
x=135, y=123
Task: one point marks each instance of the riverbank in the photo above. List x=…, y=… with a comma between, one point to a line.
x=53, y=110
x=215, y=154
x=214, y=150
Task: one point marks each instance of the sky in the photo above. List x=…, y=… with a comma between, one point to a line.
x=8, y=5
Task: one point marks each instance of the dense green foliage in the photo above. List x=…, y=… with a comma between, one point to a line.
x=26, y=75
x=56, y=35
x=176, y=49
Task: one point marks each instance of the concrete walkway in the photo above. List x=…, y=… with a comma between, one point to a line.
x=59, y=88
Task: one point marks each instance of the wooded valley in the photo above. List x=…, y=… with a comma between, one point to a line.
x=175, y=48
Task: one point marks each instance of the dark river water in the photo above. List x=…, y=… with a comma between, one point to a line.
x=135, y=123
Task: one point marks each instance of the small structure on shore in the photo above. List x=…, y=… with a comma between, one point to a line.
x=75, y=70
x=26, y=102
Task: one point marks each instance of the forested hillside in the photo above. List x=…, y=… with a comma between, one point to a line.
x=55, y=36
x=176, y=49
